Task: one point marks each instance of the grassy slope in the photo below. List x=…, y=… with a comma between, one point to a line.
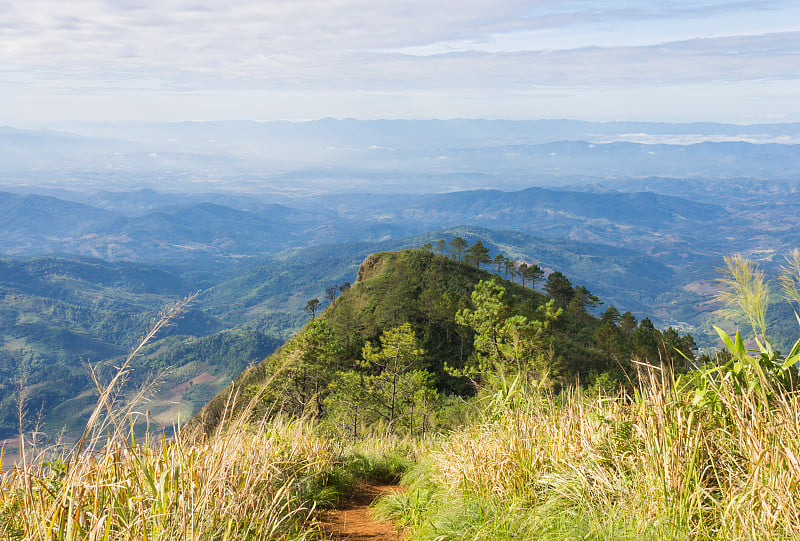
x=661, y=465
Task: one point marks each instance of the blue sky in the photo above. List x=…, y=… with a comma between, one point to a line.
x=684, y=60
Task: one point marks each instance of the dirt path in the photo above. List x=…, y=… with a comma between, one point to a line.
x=352, y=523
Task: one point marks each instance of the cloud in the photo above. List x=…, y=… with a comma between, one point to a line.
x=203, y=35
x=184, y=46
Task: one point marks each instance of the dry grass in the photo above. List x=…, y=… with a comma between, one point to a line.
x=247, y=481
x=657, y=467
x=241, y=484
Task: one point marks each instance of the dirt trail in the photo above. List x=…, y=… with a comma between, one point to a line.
x=351, y=522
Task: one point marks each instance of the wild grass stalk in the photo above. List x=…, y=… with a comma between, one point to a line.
x=246, y=481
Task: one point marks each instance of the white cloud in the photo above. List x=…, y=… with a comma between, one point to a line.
x=157, y=48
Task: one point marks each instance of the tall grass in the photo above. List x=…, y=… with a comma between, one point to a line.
x=246, y=481
x=655, y=467
x=241, y=484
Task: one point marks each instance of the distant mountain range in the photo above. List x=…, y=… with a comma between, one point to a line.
x=330, y=156
x=168, y=231
x=656, y=235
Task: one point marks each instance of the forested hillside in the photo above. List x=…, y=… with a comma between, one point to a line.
x=423, y=300
x=58, y=315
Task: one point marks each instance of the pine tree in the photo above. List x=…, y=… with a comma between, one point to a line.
x=522, y=270
x=506, y=343
x=457, y=246
x=477, y=254
x=559, y=288
x=510, y=267
x=499, y=260
x=395, y=380
x=330, y=293
x=535, y=273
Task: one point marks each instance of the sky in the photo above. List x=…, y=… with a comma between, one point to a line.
x=680, y=61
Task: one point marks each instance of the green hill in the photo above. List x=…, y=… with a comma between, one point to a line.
x=426, y=291
x=274, y=289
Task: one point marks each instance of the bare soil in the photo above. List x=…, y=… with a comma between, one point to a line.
x=351, y=521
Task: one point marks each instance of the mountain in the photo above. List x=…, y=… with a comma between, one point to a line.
x=424, y=290
x=53, y=151
x=203, y=231
x=644, y=220
x=411, y=156
x=29, y=223
x=270, y=139
x=197, y=232
x=273, y=290
x=653, y=240
x=145, y=200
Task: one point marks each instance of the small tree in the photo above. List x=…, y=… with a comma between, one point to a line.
x=510, y=267
x=312, y=306
x=506, y=343
x=346, y=400
x=584, y=300
x=330, y=293
x=388, y=388
x=522, y=271
x=499, y=260
x=627, y=324
x=535, y=274
x=645, y=340
x=609, y=339
x=611, y=315
x=311, y=361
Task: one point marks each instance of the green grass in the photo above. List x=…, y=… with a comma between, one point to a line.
x=660, y=466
